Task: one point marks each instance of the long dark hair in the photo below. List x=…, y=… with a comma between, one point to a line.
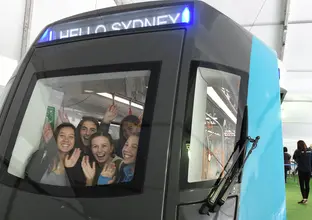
x=83, y=120
x=130, y=118
x=301, y=146
x=53, y=148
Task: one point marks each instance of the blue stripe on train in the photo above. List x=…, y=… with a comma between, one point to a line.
x=263, y=188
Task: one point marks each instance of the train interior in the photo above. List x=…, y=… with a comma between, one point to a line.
x=70, y=98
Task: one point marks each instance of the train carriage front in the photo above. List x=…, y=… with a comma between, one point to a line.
x=201, y=91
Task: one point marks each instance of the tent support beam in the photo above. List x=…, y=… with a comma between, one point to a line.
x=285, y=28
x=26, y=26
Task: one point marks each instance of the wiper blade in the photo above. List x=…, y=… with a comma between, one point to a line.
x=237, y=145
x=215, y=192
x=223, y=183
x=226, y=192
x=219, y=194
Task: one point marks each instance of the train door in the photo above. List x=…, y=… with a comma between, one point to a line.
x=68, y=81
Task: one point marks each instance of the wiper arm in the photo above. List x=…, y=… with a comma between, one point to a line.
x=220, y=193
x=237, y=145
x=213, y=196
x=231, y=181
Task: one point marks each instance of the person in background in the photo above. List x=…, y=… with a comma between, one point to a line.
x=311, y=157
x=303, y=158
x=287, y=158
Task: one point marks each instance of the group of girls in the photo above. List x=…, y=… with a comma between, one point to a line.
x=86, y=155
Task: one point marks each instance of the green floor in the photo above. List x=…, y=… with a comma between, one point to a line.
x=296, y=211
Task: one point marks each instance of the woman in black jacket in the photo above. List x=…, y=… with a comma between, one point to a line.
x=303, y=158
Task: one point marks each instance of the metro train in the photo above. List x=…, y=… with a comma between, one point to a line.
x=200, y=92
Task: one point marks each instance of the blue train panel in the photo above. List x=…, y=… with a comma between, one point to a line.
x=263, y=187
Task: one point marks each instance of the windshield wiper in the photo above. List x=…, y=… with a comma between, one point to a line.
x=220, y=193
x=238, y=145
x=224, y=186
x=231, y=181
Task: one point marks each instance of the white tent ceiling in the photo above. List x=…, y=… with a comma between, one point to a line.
x=265, y=18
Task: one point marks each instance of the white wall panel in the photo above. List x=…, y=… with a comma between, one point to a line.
x=298, y=85
x=298, y=47
x=47, y=11
x=245, y=12
x=105, y=3
x=298, y=96
x=11, y=27
x=7, y=67
x=297, y=112
x=297, y=117
x=271, y=35
x=300, y=10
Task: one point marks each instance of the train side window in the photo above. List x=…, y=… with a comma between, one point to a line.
x=94, y=104
x=212, y=123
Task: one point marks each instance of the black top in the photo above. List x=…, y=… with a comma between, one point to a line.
x=287, y=158
x=304, y=160
x=76, y=172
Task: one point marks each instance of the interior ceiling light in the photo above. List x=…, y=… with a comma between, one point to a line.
x=119, y=99
x=216, y=98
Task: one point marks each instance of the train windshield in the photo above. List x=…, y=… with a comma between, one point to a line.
x=94, y=113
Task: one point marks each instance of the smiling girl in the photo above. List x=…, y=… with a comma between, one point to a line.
x=47, y=165
x=102, y=161
x=125, y=172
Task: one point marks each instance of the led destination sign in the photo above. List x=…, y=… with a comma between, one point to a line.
x=117, y=22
